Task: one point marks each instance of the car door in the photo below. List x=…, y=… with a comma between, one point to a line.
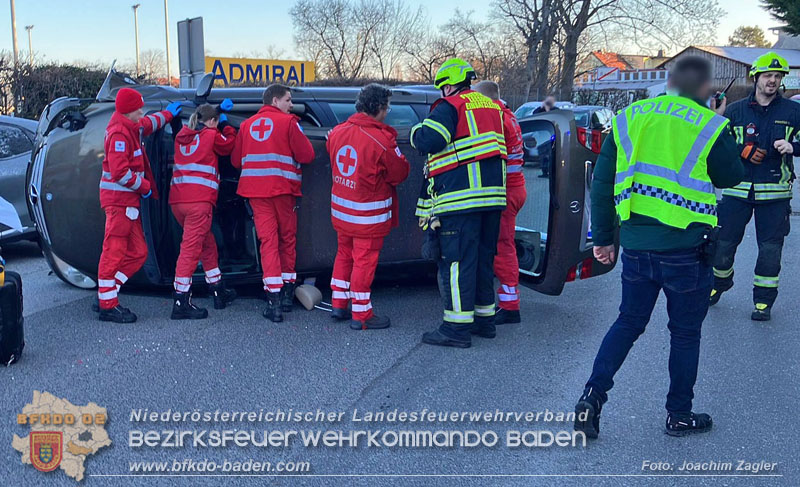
x=553, y=233
x=15, y=152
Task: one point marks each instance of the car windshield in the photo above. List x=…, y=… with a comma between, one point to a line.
x=399, y=115
x=524, y=111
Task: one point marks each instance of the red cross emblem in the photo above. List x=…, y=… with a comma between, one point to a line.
x=347, y=160
x=190, y=149
x=261, y=129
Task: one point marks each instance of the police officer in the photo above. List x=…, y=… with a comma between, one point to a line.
x=465, y=173
x=765, y=123
x=659, y=171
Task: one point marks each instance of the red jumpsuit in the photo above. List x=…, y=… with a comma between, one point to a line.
x=270, y=147
x=126, y=178
x=366, y=166
x=506, y=265
x=193, y=195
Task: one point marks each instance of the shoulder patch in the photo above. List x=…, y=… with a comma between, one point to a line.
x=119, y=146
x=397, y=151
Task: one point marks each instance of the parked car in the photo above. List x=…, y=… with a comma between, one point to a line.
x=526, y=109
x=16, y=145
x=63, y=190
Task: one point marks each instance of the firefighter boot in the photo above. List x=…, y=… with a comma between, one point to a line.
x=761, y=312
x=449, y=335
x=222, y=295
x=287, y=297
x=483, y=326
x=117, y=315
x=272, y=311
x=503, y=316
x=184, y=309
x=587, y=413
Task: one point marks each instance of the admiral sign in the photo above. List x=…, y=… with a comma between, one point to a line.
x=232, y=71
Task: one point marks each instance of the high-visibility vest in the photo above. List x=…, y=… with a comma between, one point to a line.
x=662, y=146
x=479, y=133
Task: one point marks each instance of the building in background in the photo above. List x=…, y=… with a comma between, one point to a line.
x=632, y=73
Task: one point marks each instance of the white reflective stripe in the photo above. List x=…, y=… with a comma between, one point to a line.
x=137, y=152
x=280, y=159
x=271, y=172
x=183, y=280
x=273, y=280
x=512, y=168
x=508, y=297
x=161, y=119
x=182, y=288
x=195, y=180
x=196, y=167
x=340, y=283
x=361, y=220
x=515, y=156
x=213, y=272
x=360, y=308
x=359, y=296
x=126, y=177
x=355, y=205
x=153, y=122
x=340, y=295
x=287, y=276
x=106, y=283
x=509, y=289
x=137, y=184
x=213, y=279
x=121, y=277
x=107, y=295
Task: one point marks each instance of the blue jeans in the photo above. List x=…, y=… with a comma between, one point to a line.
x=686, y=282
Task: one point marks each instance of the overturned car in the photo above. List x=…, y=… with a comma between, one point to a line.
x=553, y=235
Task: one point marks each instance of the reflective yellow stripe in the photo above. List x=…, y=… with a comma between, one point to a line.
x=458, y=316
x=489, y=191
x=455, y=293
x=484, y=310
x=765, y=281
x=738, y=193
x=723, y=273
x=439, y=128
x=468, y=204
x=773, y=195
x=474, y=175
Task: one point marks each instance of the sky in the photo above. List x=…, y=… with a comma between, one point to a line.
x=103, y=30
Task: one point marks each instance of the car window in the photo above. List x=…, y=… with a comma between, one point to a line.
x=13, y=141
x=582, y=119
x=399, y=116
x=523, y=112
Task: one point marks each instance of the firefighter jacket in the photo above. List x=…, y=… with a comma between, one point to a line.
x=752, y=123
x=366, y=166
x=126, y=171
x=270, y=147
x=195, y=175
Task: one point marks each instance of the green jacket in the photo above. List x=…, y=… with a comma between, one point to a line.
x=643, y=233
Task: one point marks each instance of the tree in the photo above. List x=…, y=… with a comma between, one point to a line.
x=786, y=11
x=398, y=29
x=747, y=36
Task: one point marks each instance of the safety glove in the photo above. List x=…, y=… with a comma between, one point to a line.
x=174, y=108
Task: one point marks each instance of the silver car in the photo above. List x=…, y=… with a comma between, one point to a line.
x=16, y=144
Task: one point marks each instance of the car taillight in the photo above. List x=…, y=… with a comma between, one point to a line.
x=582, y=137
x=590, y=139
x=585, y=269
x=596, y=141
x=571, y=273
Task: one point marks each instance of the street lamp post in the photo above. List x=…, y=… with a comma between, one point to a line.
x=166, y=28
x=14, y=33
x=29, y=28
x=136, y=33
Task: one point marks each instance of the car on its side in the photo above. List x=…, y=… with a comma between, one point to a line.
x=66, y=166
x=16, y=145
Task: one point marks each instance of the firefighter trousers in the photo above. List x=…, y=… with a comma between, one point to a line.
x=772, y=225
x=275, y=219
x=197, y=245
x=506, y=265
x=466, y=277
x=124, y=252
x=353, y=272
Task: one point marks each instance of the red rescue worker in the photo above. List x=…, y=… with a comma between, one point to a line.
x=367, y=166
x=270, y=148
x=506, y=265
x=126, y=179
x=192, y=196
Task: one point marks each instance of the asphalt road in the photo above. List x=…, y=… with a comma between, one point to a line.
x=749, y=381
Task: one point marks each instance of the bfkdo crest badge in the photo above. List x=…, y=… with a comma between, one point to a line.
x=46, y=449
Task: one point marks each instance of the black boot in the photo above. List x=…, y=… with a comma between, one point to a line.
x=483, y=326
x=272, y=311
x=687, y=424
x=762, y=312
x=587, y=413
x=716, y=293
x=374, y=323
x=287, y=297
x=503, y=316
x=341, y=314
x=117, y=315
x=449, y=335
x=222, y=295
x=183, y=309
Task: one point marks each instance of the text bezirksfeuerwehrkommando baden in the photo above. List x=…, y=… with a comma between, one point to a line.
x=356, y=416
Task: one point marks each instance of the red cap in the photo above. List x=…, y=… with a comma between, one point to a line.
x=128, y=100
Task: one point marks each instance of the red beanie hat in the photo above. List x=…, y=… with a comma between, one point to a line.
x=128, y=100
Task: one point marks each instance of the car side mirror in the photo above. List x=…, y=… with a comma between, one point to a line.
x=204, y=87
